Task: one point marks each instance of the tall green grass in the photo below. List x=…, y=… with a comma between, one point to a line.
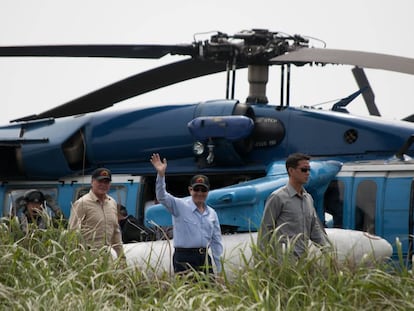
x=51, y=270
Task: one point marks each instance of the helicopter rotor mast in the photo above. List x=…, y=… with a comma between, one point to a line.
x=258, y=47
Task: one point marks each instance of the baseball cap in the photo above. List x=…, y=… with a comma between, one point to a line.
x=35, y=196
x=101, y=173
x=200, y=180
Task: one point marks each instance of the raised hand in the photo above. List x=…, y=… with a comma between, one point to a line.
x=159, y=165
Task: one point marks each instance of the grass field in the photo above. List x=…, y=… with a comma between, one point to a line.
x=50, y=270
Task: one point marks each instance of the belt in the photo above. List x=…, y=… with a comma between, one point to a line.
x=198, y=250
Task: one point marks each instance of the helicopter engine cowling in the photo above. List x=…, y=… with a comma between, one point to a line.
x=124, y=140
x=219, y=133
x=222, y=134
x=226, y=134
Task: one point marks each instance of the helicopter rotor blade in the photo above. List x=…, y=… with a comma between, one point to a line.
x=368, y=94
x=409, y=118
x=347, y=57
x=132, y=86
x=257, y=47
x=113, y=51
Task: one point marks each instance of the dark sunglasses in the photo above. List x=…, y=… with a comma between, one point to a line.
x=198, y=189
x=305, y=169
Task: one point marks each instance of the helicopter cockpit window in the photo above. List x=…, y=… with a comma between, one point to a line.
x=14, y=200
x=365, y=206
x=334, y=204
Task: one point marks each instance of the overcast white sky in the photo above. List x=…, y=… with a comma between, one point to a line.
x=29, y=85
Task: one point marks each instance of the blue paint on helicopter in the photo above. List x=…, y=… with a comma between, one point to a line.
x=240, y=206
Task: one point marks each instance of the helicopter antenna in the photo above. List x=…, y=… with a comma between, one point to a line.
x=282, y=84
x=341, y=104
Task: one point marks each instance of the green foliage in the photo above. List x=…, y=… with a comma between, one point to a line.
x=52, y=270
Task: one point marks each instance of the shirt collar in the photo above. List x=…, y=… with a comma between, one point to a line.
x=292, y=192
x=194, y=207
x=95, y=198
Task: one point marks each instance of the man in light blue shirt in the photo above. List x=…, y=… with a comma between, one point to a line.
x=196, y=227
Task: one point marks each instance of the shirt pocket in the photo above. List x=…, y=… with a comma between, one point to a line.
x=210, y=223
x=191, y=221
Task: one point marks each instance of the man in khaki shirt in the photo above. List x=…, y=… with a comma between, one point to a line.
x=96, y=216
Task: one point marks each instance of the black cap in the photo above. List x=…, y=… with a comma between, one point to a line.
x=200, y=180
x=102, y=173
x=35, y=196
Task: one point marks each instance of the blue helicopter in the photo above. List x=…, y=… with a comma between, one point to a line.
x=240, y=145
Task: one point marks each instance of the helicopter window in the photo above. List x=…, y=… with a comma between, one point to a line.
x=13, y=200
x=365, y=206
x=119, y=193
x=334, y=203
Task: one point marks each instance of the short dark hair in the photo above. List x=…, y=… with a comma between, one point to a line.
x=122, y=210
x=293, y=160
